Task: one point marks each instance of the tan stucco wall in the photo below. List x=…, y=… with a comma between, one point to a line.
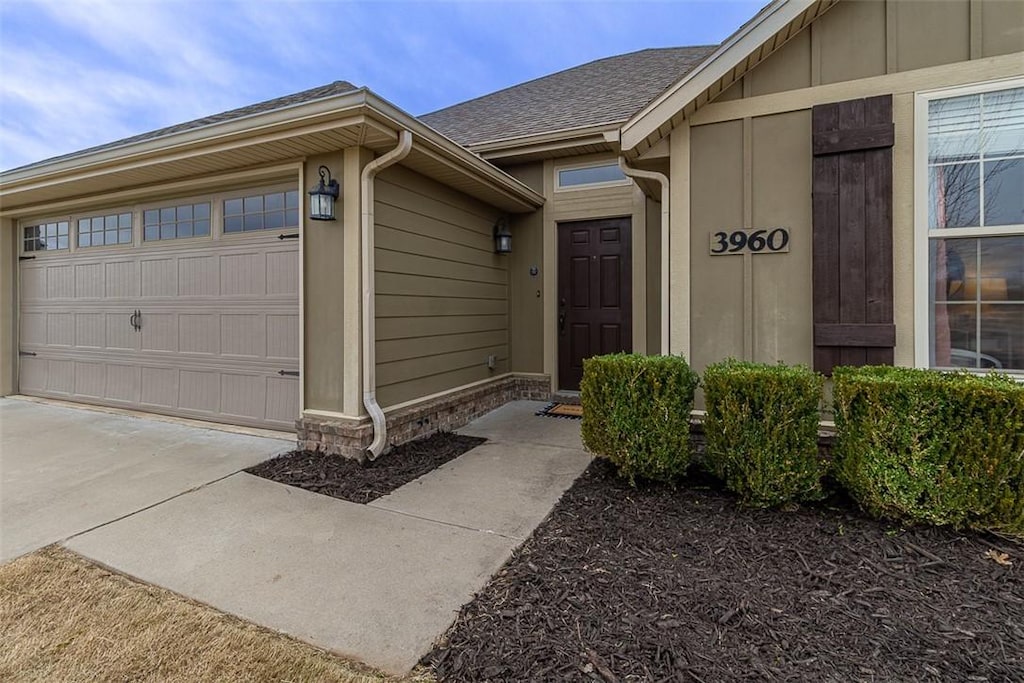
x=8, y=307
x=863, y=38
x=323, y=271
x=442, y=293
x=526, y=291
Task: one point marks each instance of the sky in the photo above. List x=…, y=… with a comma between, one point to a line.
x=78, y=73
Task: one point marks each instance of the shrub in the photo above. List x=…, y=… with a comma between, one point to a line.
x=636, y=413
x=922, y=445
x=762, y=431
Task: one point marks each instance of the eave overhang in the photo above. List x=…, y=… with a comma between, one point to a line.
x=281, y=136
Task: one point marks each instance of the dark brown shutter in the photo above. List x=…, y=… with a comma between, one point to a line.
x=852, y=243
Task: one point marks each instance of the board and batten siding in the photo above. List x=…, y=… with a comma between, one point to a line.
x=442, y=293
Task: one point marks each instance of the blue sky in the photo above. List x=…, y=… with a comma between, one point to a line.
x=76, y=73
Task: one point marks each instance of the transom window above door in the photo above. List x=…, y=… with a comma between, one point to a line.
x=271, y=211
x=975, y=229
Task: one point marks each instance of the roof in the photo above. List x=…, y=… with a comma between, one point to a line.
x=605, y=91
x=320, y=92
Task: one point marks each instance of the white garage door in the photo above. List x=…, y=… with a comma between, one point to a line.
x=206, y=329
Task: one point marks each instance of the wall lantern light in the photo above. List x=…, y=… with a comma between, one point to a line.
x=321, y=197
x=502, y=237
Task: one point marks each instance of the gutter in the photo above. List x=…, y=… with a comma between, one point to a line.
x=665, y=214
x=380, y=425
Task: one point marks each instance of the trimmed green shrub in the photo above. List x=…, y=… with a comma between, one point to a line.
x=762, y=431
x=636, y=413
x=923, y=445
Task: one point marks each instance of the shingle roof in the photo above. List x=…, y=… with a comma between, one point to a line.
x=335, y=88
x=608, y=90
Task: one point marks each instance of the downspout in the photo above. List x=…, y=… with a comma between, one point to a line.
x=380, y=427
x=663, y=179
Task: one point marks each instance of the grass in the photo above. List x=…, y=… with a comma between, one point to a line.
x=64, y=618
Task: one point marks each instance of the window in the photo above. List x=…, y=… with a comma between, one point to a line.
x=105, y=230
x=45, y=236
x=602, y=174
x=274, y=211
x=975, y=229
x=175, y=222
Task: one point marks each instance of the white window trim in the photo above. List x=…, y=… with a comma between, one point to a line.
x=922, y=234
x=588, y=186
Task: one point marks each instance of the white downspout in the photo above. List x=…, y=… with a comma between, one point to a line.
x=663, y=179
x=380, y=427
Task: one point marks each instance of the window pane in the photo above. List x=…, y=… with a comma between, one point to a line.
x=954, y=196
x=586, y=176
x=953, y=269
x=84, y=239
x=83, y=225
x=233, y=224
x=97, y=224
x=185, y=212
x=110, y=222
x=1004, y=192
x=51, y=242
x=201, y=210
x=953, y=126
x=274, y=220
x=954, y=336
x=111, y=237
x=232, y=207
x=62, y=228
x=1003, y=116
x=1002, y=269
x=291, y=199
x=253, y=204
x=124, y=236
x=152, y=216
x=291, y=218
x=185, y=229
x=152, y=232
x=1002, y=336
x=62, y=241
x=201, y=228
x=167, y=215
x=167, y=231
x=254, y=221
x=275, y=201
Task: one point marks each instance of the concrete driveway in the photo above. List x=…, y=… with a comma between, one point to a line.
x=66, y=470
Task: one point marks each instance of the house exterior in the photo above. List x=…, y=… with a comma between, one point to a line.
x=839, y=182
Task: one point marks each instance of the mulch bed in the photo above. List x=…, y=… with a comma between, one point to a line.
x=339, y=477
x=656, y=584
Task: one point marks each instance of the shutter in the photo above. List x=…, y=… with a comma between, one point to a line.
x=852, y=233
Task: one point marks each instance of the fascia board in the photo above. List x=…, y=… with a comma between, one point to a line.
x=729, y=54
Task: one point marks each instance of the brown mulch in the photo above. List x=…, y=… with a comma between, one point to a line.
x=656, y=584
x=344, y=478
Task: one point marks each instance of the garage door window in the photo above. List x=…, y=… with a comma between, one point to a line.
x=45, y=236
x=99, y=231
x=273, y=211
x=176, y=222
x=975, y=167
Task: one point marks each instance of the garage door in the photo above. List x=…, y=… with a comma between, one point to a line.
x=206, y=329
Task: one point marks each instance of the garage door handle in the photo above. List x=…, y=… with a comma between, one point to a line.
x=135, y=320
x=288, y=373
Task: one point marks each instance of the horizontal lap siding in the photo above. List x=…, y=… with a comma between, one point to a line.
x=442, y=293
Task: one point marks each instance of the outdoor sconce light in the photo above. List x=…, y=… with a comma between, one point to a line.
x=321, y=197
x=502, y=237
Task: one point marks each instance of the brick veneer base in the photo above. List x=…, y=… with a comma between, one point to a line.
x=350, y=437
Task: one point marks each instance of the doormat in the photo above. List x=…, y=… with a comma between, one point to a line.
x=566, y=411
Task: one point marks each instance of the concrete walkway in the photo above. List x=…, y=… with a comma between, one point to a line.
x=377, y=582
x=64, y=470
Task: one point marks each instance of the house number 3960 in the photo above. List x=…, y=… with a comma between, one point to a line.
x=759, y=241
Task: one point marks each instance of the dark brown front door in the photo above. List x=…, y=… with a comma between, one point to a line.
x=594, y=294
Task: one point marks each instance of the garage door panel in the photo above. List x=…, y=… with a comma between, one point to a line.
x=123, y=383
x=90, y=379
x=90, y=330
x=159, y=278
x=60, y=329
x=121, y=280
x=218, y=322
x=198, y=276
x=199, y=333
x=159, y=387
x=60, y=282
x=89, y=281
x=199, y=391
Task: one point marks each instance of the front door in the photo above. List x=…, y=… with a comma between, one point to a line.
x=594, y=294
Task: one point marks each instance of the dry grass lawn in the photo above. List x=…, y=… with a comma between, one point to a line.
x=63, y=618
